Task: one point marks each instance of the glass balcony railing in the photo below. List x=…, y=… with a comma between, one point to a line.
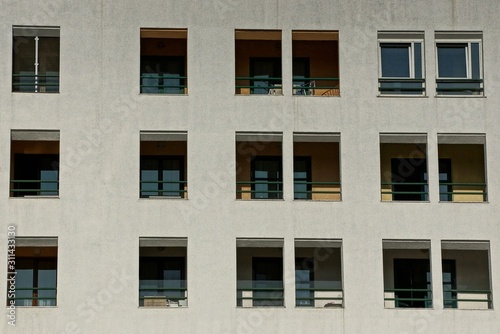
x=36, y=83
x=467, y=299
x=162, y=293
x=174, y=189
x=260, y=293
x=22, y=188
x=315, y=86
x=34, y=297
x=318, y=294
x=414, y=298
x=401, y=86
x=462, y=192
x=459, y=86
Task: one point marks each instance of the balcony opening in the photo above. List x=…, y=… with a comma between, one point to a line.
x=466, y=275
x=403, y=166
x=259, y=272
x=163, y=61
x=162, y=272
x=259, y=171
x=462, y=172
x=315, y=63
x=163, y=165
x=35, y=60
x=459, y=63
x=35, y=268
x=34, y=163
x=318, y=273
x=407, y=274
x=258, y=62
x=316, y=166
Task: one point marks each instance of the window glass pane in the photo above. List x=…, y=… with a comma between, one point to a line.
x=23, y=64
x=395, y=60
x=476, y=68
x=418, y=60
x=452, y=61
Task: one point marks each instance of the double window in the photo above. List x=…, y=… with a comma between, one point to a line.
x=35, y=61
x=459, y=69
x=401, y=70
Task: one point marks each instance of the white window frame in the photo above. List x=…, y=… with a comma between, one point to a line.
x=411, y=51
x=468, y=56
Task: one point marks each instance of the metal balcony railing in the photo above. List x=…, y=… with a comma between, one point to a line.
x=418, y=298
x=260, y=293
x=317, y=188
x=45, y=188
x=35, y=83
x=33, y=296
x=461, y=188
x=167, y=293
x=454, y=298
x=261, y=189
x=154, y=83
x=410, y=192
x=459, y=86
x=315, y=86
x=163, y=188
x=401, y=86
x=318, y=294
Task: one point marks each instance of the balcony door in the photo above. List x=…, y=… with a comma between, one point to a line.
x=267, y=275
x=266, y=177
x=412, y=278
x=266, y=73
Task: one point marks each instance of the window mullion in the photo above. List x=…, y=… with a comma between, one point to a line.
x=36, y=63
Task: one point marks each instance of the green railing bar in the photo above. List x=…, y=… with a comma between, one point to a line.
x=463, y=184
x=405, y=192
x=260, y=298
x=404, y=183
x=317, y=289
x=458, y=192
x=386, y=89
x=262, y=289
x=318, y=192
x=163, y=297
x=49, y=289
x=36, y=190
x=163, y=191
x=36, y=75
x=163, y=289
x=262, y=87
x=410, y=299
x=164, y=182
x=33, y=298
x=410, y=80
x=459, y=80
x=165, y=86
x=320, y=298
x=258, y=79
x=468, y=300
x=318, y=183
x=259, y=191
x=259, y=182
x=408, y=290
x=315, y=87
x=162, y=76
x=468, y=291
x=35, y=84
x=314, y=78
x=35, y=181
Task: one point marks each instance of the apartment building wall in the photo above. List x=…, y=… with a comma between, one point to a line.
x=98, y=217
